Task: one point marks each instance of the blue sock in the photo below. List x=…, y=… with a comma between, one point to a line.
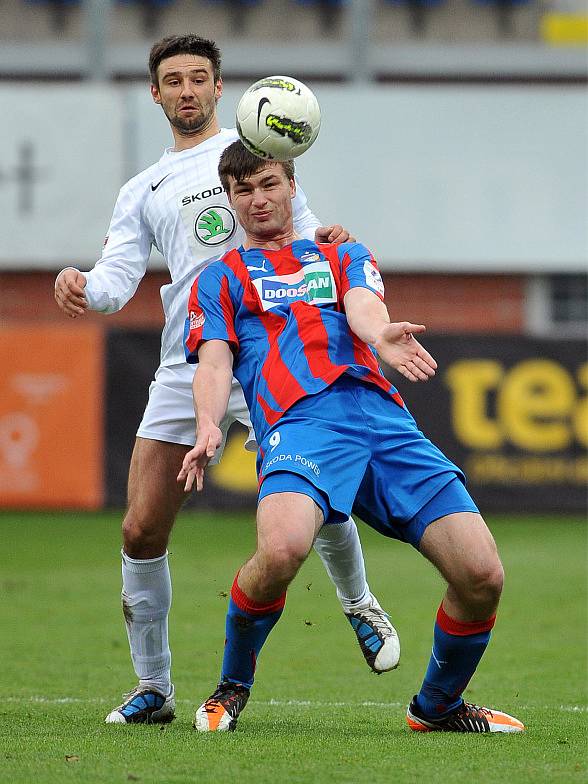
x=247, y=627
x=458, y=647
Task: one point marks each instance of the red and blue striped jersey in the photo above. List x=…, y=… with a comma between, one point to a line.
x=282, y=314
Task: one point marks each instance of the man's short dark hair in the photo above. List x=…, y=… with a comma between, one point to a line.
x=184, y=44
x=236, y=161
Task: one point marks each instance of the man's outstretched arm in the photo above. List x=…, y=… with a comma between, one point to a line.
x=211, y=388
x=395, y=343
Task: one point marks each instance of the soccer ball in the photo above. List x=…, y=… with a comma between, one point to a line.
x=278, y=118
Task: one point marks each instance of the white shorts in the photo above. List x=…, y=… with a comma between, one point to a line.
x=169, y=414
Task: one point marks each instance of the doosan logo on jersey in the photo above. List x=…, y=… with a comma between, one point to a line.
x=206, y=194
x=279, y=291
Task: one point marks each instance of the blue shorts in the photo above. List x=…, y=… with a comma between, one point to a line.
x=352, y=448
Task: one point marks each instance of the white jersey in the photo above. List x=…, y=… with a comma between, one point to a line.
x=179, y=206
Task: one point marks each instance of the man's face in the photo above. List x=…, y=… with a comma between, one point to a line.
x=187, y=92
x=263, y=202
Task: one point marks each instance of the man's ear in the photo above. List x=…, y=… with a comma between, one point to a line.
x=292, y=188
x=155, y=93
x=218, y=89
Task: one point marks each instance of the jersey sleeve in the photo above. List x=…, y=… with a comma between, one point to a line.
x=305, y=221
x=359, y=269
x=211, y=315
x=115, y=277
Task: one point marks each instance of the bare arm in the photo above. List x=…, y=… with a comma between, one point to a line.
x=368, y=318
x=211, y=388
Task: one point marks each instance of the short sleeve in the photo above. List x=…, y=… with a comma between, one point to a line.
x=359, y=269
x=211, y=314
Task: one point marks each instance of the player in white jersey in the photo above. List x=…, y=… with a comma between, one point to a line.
x=179, y=206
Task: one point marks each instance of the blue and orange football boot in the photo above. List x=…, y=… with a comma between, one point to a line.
x=465, y=718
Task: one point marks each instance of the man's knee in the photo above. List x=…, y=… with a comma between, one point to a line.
x=154, y=497
x=281, y=562
x=463, y=549
x=144, y=535
x=482, y=582
x=287, y=523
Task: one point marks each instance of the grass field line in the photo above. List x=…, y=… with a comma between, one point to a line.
x=273, y=703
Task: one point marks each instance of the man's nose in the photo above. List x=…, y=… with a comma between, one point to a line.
x=259, y=197
x=187, y=88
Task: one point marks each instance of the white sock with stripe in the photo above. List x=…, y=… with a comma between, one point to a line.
x=146, y=597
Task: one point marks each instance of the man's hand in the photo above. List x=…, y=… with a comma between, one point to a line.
x=69, y=292
x=397, y=346
x=208, y=441
x=336, y=234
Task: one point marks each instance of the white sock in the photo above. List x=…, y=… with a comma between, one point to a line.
x=146, y=597
x=340, y=551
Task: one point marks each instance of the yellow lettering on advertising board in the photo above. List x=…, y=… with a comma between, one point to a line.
x=470, y=381
x=538, y=407
x=581, y=412
x=535, y=404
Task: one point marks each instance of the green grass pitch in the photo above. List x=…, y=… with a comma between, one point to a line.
x=316, y=714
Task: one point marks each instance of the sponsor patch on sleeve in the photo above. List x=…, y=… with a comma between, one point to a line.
x=197, y=319
x=373, y=278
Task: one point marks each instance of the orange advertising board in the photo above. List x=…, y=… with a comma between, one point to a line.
x=51, y=417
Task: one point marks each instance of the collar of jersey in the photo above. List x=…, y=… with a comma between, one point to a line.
x=241, y=249
x=197, y=147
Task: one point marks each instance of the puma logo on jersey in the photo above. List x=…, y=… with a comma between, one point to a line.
x=257, y=269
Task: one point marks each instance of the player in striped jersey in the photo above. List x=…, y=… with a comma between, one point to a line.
x=178, y=206
x=299, y=324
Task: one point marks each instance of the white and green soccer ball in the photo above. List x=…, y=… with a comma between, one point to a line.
x=278, y=118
